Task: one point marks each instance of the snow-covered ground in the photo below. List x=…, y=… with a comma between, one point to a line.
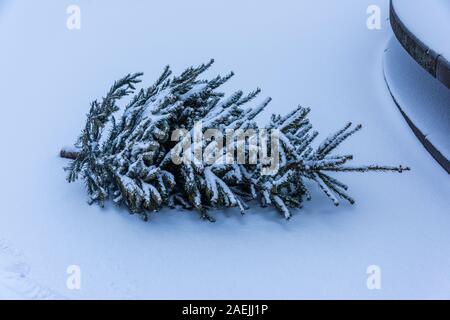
x=317, y=53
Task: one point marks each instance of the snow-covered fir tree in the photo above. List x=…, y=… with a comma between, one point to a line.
x=126, y=154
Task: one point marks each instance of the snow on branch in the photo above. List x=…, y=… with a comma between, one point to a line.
x=132, y=160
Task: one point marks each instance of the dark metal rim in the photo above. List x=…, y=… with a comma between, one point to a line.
x=431, y=61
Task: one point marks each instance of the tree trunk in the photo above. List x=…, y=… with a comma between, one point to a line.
x=69, y=154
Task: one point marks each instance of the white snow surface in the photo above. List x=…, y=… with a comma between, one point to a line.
x=316, y=53
x=429, y=21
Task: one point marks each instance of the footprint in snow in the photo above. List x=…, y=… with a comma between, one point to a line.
x=14, y=277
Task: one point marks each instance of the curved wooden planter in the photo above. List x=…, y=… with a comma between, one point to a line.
x=436, y=65
x=431, y=61
x=429, y=146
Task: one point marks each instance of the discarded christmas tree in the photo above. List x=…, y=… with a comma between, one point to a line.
x=135, y=160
